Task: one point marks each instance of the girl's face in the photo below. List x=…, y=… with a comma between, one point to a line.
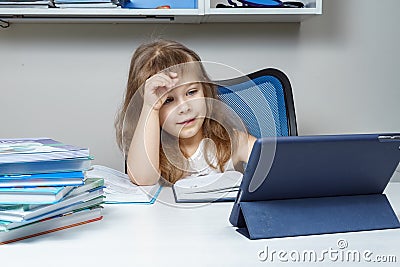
x=183, y=112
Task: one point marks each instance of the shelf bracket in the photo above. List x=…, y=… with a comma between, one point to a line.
x=4, y=24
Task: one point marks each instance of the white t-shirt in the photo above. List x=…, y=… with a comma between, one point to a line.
x=198, y=165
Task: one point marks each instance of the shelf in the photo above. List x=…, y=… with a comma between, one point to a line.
x=213, y=14
x=105, y=15
x=205, y=13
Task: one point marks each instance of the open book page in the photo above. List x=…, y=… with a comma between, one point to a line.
x=120, y=189
x=213, y=187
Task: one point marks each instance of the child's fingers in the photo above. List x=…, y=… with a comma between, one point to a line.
x=173, y=74
x=165, y=80
x=172, y=78
x=154, y=83
x=175, y=81
x=158, y=86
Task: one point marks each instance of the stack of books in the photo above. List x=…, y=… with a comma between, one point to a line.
x=43, y=188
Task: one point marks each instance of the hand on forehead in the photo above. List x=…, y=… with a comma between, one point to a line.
x=186, y=73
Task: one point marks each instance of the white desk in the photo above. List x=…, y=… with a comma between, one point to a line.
x=161, y=235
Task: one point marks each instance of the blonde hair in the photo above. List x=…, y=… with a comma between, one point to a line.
x=147, y=60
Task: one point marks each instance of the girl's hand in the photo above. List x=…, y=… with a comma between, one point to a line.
x=156, y=87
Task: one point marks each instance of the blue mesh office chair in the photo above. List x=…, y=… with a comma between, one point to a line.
x=250, y=95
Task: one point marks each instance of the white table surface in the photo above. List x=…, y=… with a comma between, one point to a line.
x=163, y=235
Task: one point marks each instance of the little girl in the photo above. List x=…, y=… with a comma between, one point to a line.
x=171, y=123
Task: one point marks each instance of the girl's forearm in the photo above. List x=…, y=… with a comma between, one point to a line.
x=143, y=156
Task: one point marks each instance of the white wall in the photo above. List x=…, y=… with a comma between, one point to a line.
x=66, y=81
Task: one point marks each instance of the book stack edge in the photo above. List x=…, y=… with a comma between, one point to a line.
x=43, y=188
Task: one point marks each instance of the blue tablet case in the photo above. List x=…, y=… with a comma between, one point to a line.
x=318, y=185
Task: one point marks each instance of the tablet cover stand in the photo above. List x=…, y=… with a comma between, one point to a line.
x=312, y=216
x=319, y=185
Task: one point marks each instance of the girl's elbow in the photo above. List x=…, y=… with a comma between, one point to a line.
x=149, y=180
x=143, y=177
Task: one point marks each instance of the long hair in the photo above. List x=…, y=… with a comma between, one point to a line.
x=148, y=60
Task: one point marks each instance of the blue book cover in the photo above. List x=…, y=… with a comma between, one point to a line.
x=42, y=179
x=33, y=195
x=92, y=188
x=19, y=217
x=37, y=149
x=48, y=166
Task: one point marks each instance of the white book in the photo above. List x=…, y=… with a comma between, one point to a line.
x=20, y=150
x=81, y=1
x=208, y=188
x=94, y=5
x=24, y=3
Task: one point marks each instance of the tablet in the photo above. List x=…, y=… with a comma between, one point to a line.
x=319, y=166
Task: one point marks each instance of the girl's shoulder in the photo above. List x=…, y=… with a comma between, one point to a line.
x=244, y=145
x=243, y=137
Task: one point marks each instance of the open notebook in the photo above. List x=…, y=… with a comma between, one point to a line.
x=120, y=190
x=208, y=188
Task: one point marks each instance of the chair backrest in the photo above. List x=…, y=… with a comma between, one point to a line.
x=248, y=96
